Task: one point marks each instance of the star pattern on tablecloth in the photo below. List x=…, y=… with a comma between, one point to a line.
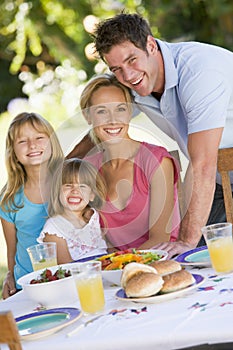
x=199, y=306
x=207, y=288
x=227, y=303
x=216, y=278
x=226, y=290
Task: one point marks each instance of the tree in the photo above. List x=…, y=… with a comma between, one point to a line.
x=41, y=36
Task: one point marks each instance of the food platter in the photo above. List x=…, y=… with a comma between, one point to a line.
x=43, y=323
x=195, y=257
x=117, y=260
x=158, y=298
x=114, y=276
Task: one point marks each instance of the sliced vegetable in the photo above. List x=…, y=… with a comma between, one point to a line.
x=119, y=259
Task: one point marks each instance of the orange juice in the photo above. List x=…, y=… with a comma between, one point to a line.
x=91, y=293
x=221, y=254
x=44, y=263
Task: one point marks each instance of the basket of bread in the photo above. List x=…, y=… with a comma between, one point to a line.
x=156, y=279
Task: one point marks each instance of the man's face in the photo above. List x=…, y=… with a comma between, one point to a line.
x=139, y=70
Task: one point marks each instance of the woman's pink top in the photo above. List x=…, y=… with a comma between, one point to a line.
x=129, y=227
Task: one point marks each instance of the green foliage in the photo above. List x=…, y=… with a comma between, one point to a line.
x=41, y=35
x=3, y=271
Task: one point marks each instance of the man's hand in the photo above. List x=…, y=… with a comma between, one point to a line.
x=174, y=248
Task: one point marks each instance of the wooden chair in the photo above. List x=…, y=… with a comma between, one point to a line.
x=9, y=333
x=225, y=164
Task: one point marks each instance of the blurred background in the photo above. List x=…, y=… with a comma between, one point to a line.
x=47, y=56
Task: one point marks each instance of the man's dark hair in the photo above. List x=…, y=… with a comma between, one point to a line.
x=123, y=27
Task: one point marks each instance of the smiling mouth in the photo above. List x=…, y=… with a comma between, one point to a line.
x=35, y=154
x=137, y=81
x=74, y=200
x=113, y=131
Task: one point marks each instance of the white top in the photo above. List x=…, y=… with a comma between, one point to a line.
x=81, y=242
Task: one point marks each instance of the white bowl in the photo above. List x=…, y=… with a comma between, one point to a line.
x=57, y=293
x=114, y=276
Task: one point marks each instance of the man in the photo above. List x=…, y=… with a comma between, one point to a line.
x=186, y=89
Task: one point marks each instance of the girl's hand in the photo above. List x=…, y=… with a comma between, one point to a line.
x=8, y=286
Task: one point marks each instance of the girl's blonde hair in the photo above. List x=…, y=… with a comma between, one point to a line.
x=17, y=175
x=75, y=170
x=98, y=81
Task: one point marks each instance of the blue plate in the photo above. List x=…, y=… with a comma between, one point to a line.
x=42, y=323
x=162, y=297
x=196, y=257
x=89, y=258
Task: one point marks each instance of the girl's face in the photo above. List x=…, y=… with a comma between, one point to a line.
x=110, y=114
x=32, y=147
x=76, y=196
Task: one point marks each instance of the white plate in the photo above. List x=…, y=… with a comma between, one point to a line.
x=195, y=257
x=43, y=323
x=120, y=294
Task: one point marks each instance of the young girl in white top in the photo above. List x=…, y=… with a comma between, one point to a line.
x=78, y=191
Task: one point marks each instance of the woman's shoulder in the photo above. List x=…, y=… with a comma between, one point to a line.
x=95, y=159
x=150, y=150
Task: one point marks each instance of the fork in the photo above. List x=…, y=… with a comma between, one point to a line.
x=83, y=325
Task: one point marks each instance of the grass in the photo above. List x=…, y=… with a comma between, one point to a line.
x=3, y=271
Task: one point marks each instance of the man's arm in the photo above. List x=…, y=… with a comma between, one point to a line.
x=200, y=184
x=203, y=150
x=82, y=148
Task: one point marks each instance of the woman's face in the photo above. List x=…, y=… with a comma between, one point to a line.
x=110, y=114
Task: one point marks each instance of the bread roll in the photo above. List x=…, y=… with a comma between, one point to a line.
x=164, y=267
x=176, y=281
x=143, y=284
x=132, y=269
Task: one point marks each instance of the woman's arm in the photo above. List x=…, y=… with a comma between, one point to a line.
x=10, y=237
x=63, y=254
x=161, y=204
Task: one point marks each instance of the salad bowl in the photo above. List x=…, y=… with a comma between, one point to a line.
x=112, y=273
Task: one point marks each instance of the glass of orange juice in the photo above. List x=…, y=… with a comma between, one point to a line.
x=43, y=255
x=89, y=284
x=218, y=238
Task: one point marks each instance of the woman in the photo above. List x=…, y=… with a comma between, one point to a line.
x=141, y=178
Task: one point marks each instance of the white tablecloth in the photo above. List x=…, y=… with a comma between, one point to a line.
x=203, y=315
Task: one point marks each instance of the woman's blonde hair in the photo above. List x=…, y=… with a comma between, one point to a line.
x=17, y=175
x=75, y=170
x=98, y=81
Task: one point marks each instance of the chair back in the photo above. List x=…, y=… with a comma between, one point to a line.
x=225, y=165
x=9, y=333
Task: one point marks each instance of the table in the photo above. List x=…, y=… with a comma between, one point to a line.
x=202, y=316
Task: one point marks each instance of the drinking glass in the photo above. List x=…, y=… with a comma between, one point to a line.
x=218, y=238
x=89, y=284
x=43, y=255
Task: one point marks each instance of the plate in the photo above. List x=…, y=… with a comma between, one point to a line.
x=158, y=298
x=42, y=323
x=196, y=257
x=88, y=258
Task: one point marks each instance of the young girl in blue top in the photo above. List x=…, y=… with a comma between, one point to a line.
x=32, y=154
